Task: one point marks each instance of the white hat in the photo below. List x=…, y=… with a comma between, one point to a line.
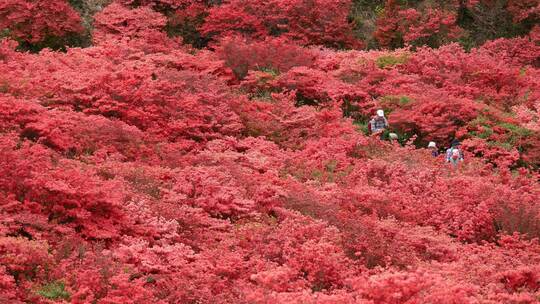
x=432, y=144
x=393, y=136
x=380, y=113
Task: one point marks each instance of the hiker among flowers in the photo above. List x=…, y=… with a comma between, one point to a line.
x=433, y=147
x=454, y=155
x=378, y=124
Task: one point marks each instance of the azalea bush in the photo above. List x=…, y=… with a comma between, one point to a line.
x=39, y=21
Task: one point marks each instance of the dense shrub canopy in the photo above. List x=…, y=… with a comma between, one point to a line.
x=216, y=152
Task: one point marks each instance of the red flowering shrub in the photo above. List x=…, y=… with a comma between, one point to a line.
x=139, y=170
x=75, y=134
x=524, y=9
x=24, y=259
x=139, y=27
x=518, y=51
x=435, y=23
x=173, y=4
x=520, y=279
x=96, y=276
x=16, y=114
x=112, y=91
x=393, y=287
x=430, y=117
x=116, y=19
x=35, y=21
x=7, y=286
x=307, y=22
x=37, y=179
x=273, y=55
x=428, y=26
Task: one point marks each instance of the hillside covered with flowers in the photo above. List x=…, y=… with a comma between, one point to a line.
x=207, y=151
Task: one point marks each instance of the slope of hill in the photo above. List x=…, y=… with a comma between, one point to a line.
x=214, y=152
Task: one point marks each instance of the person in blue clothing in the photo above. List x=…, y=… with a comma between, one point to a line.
x=378, y=124
x=454, y=154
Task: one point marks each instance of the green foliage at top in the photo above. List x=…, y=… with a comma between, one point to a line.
x=398, y=100
x=513, y=134
x=54, y=291
x=270, y=70
x=362, y=126
x=482, y=121
x=389, y=61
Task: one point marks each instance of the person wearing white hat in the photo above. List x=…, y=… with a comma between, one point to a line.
x=378, y=123
x=433, y=147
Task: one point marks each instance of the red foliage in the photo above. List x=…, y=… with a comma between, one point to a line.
x=139, y=170
x=7, y=286
x=140, y=27
x=519, y=279
x=435, y=117
x=61, y=193
x=431, y=26
x=524, y=9
x=306, y=22
x=173, y=4
x=112, y=90
x=24, y=259
x=34, y=21
x=275, y=55
x=518, y=51
x=119, y=20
